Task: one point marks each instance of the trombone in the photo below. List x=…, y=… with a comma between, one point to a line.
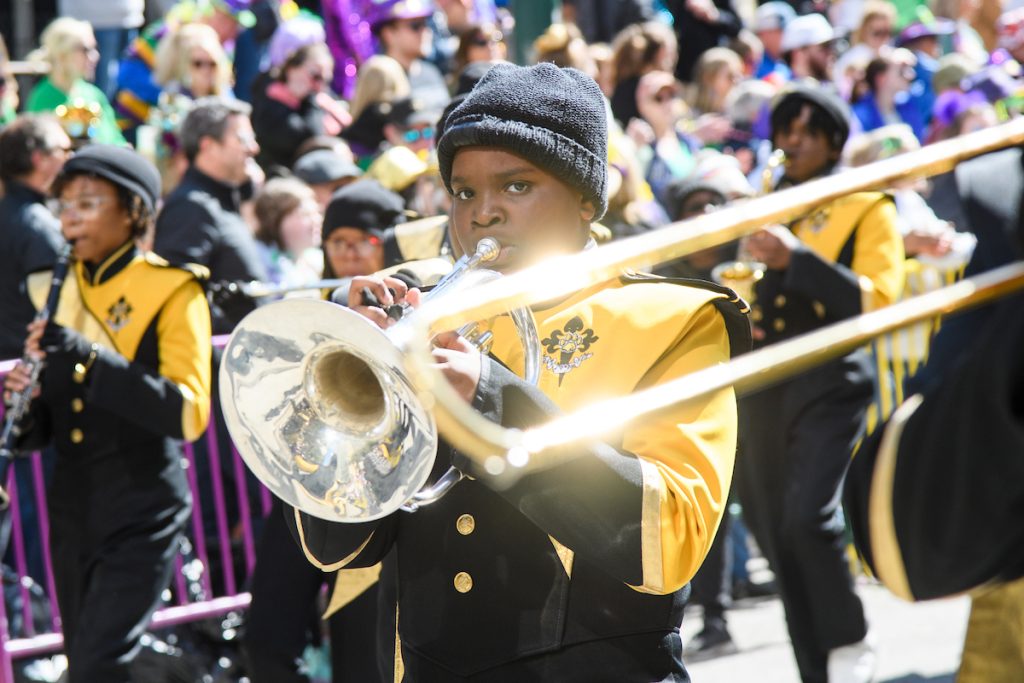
x=502, y=451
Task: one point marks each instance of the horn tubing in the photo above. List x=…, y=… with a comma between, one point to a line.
x=486, y=441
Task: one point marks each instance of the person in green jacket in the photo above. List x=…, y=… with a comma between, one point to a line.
x=69, y=47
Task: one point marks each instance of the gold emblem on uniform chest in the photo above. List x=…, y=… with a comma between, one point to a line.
x=818, y=220
x=119, y=314
x=568, y=347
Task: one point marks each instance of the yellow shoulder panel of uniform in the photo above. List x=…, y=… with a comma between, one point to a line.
x=201, y=273
x=860, y=199
x=421, y=239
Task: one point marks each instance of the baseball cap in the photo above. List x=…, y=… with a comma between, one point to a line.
x=807, y=30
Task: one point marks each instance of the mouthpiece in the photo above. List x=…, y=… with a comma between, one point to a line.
x=487, y=249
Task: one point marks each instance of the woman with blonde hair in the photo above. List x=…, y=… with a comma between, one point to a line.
x=382, y=82
x=69, y=47
x=717, y=71
x=191, y=61
x=877, y=22
x=381, y=79
x=637, y=50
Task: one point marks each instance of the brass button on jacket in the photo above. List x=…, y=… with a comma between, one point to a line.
x=77, y=405
x=779, y=324
x=463, y=582
x=465, y=524
x=780, y=300
x=77, y=435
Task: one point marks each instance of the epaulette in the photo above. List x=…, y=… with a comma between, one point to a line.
x=734, y=310
x=201, y=273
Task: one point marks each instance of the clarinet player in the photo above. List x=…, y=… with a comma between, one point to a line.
x=126, y=377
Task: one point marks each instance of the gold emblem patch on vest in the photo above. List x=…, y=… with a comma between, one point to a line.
x=571, y=344
x=119, y=314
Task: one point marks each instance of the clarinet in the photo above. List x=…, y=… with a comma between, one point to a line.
x=21, y=400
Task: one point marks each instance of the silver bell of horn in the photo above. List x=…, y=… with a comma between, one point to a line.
x=319, y=405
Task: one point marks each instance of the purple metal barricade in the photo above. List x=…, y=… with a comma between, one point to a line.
x=218, y=597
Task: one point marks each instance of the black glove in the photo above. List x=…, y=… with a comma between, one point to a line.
x=228, y=301
x=58, y=340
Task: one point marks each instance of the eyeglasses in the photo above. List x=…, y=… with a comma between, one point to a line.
x=364, y=247
x=83, y=206
x=204, y=64
x=487, y=41
x=417, y=26
x=414, y=135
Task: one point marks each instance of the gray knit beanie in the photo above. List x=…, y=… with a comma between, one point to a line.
x=552, y=117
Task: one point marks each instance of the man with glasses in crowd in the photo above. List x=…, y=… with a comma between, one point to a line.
x=32, y=152
x=201, y=221
x=405, y=36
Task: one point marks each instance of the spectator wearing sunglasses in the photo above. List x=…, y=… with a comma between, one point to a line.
x=887, y=80
x=191, y=62
x=411, y=124
x=290, y=102
x=402, y=28
x=479, y=43
x=69, y=47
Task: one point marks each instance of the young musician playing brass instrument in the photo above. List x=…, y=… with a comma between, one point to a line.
x=127, y=376
x=577, y=572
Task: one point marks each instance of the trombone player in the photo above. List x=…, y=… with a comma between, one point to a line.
x=841, y=260
x=576, y=572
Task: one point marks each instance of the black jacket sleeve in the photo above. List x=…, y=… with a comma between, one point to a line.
x=561, y=499
x=833, y=284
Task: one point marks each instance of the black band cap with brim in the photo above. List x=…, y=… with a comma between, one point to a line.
x=121, y=166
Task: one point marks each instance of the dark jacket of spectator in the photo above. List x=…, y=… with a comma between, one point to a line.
x=30, y=240
x=600, y=20
x=200, y=223
x=697, y=35
x=282, y=124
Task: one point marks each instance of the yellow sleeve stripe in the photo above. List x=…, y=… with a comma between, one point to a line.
x=885, y=546
x=867, y=294
x=327, y=567
x=650, y=529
